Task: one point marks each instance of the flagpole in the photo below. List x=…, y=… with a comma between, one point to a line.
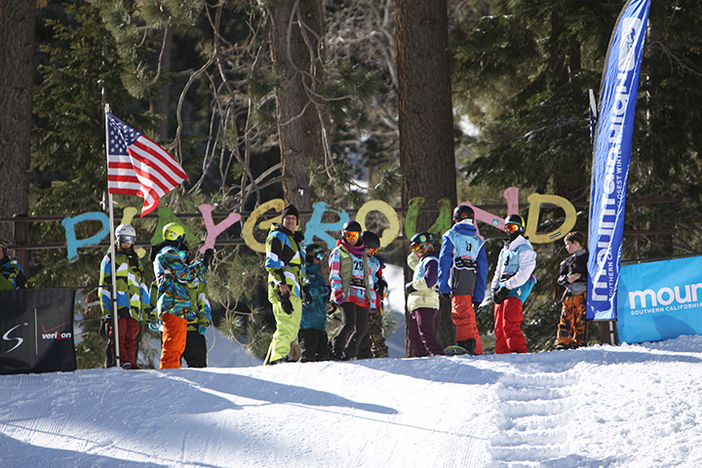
x=113, y=302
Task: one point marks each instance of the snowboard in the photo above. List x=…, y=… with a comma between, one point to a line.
x=455, y=350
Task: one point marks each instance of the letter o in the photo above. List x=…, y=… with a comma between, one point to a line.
x=390, y=233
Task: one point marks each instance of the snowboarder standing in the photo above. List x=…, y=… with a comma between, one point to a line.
x=422, y=298
x=463, y=274
x=511, y=284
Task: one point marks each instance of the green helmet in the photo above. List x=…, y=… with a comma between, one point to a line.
x=173, y=232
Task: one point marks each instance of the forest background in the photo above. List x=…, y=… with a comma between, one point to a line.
x=341, y=101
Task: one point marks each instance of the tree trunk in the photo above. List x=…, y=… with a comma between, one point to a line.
x=426, y=118
x=17, y=23
x=297, y=47
x=161, y=105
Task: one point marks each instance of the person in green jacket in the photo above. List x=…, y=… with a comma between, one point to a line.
x=133, y=297
x=287, y=283
x=11, y=273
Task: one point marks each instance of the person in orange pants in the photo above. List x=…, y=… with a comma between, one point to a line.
x=511, y=284
x=173, y=305
x=462, y=275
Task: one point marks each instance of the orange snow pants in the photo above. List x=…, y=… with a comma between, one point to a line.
x=175, y=334
x=463, y=316
x=509, y=337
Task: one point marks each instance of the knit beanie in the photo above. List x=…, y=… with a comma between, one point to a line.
x=290, y=210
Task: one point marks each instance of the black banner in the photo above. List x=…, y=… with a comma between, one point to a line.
x=36, y=331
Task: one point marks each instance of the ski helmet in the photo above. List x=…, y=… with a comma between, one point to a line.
x=173, y=232
x=422, y=240
x=514, y=226
x=352, y=226
x=462, y=212
x=370, y=240
x=125, y=234
x=313, y=251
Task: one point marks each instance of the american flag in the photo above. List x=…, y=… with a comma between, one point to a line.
x=138, y=166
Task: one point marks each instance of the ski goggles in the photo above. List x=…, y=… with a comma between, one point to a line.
x=417, y=247
x=183, y=254
x=352, y=236
x=372, y=251
x=512, y=228
x=126, y=239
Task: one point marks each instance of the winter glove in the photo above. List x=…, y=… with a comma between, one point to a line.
x=332, y=307
x=500, y=295
x=381, y=286
x=153, y=325
x=202, y=329
x=409, y=289
x=306, y=295
x=207, y=259
x=285, y=303
x=105, y=326
x=338, y=296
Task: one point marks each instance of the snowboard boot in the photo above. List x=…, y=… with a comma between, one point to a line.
x=468, y=345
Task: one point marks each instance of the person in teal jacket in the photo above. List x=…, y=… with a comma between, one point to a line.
x=174, y=306
x=312, y=337
x=11, y=273
x=133, y=297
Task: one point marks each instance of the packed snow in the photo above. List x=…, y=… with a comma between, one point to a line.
x=602, y=406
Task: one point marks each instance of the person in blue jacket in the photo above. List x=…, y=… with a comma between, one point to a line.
x=462, y=275
x=312, y=337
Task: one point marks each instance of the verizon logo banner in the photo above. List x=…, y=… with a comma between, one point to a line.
x=36, y=331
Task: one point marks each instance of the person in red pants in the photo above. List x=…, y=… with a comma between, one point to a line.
x=463, y=270
x=511, y=285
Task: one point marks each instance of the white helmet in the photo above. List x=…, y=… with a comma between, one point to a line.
x=125, y=230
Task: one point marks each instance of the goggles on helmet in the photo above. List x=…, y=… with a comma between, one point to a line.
x=512, y=228
x=126, y=239
x=352, y=236
x=183, y=254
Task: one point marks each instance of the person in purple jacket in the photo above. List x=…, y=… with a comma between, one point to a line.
x=422, y=296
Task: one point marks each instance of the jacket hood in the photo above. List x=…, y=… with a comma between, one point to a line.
x=465, y=229
x=157, y=248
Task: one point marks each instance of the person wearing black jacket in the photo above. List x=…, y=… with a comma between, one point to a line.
x=572, y=327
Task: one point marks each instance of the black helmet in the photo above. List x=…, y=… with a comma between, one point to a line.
x=370, y=240
x=462, y=212
x=313, y=251
x=515, y=219
x=352, y=226
x=424, y=239
x=514, y=226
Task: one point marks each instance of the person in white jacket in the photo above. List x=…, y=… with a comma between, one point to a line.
x=511, y=284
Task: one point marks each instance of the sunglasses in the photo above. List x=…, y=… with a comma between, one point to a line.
x=352, y=235
x=126, y=239
x=512, y=227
